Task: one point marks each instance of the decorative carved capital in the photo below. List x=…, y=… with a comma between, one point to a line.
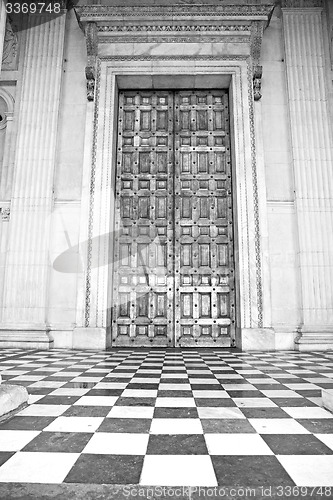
x=257, y=75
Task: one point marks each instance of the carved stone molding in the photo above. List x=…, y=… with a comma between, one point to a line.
x=10, y=48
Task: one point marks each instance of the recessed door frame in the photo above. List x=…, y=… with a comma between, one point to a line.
x=170, y=72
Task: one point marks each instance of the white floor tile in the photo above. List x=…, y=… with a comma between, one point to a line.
x=74, y=424
x=39, y=410
x=145, y=380
x=281, y=394
x=178, y=470
x=175, y=403
x=139, y=393
x=210, y=394
x=37, y=467
x=176, y=426
x=48, y=384
x=131, y=412
x=300, y=387
x=69, y=391
x=254, y=403
x=307, y=412
x=206, y=381
x=174, y=387
x=11, y=440
x=326, y=439
x=111, y=385
x=29, y=378
x=33, y=398
x=87, y=379
x=96, y=401
x=277, y=426
x=118, y=444
x=227, y=412
x=239, y=387
x=309, y=470
x=236, y=444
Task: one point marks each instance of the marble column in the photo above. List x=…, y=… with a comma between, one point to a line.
x=2, y=26
x=306, y=64
x=24, y=312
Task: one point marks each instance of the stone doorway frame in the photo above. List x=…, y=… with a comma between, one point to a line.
x=175, y=46
x=144, y=72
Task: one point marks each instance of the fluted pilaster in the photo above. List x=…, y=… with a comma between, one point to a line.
x=2, y=26
x=312, y=158
x=26, y=276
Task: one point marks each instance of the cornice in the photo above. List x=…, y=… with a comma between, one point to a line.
x=195, y=11
x=302, y=4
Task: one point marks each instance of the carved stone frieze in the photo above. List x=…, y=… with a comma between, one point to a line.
x=179, y=39
x=173, y=28
x=10, y=48
x=5, y=214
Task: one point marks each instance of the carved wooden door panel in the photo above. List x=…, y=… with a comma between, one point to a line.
x=173, y=279
x=204, y=292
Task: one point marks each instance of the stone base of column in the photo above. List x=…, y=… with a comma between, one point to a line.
x=315, y=339
x=27, y=338
x=91, y=338
x=13, y=398
x=266, y=339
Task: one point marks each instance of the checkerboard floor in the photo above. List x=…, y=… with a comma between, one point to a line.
x=169, y=417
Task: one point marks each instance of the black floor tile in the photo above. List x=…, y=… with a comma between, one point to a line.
x=104, y=392
x=180, y=444
x=256, y=471
x=27, y=423
x=175, y=413
x=5, y=455
x=87, y=411
x=226, y=426
x=58, y=400
x=132, y=425
x=296, y=444
x=135, y=402
x=175, y=394
x=245, y=394
x=106, y=469
x=59, y=442
x=264, y=413
x=290, y=402
x=214, y=402
x=317, y=425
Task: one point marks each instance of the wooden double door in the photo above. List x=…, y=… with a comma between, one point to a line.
x=173, y=282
